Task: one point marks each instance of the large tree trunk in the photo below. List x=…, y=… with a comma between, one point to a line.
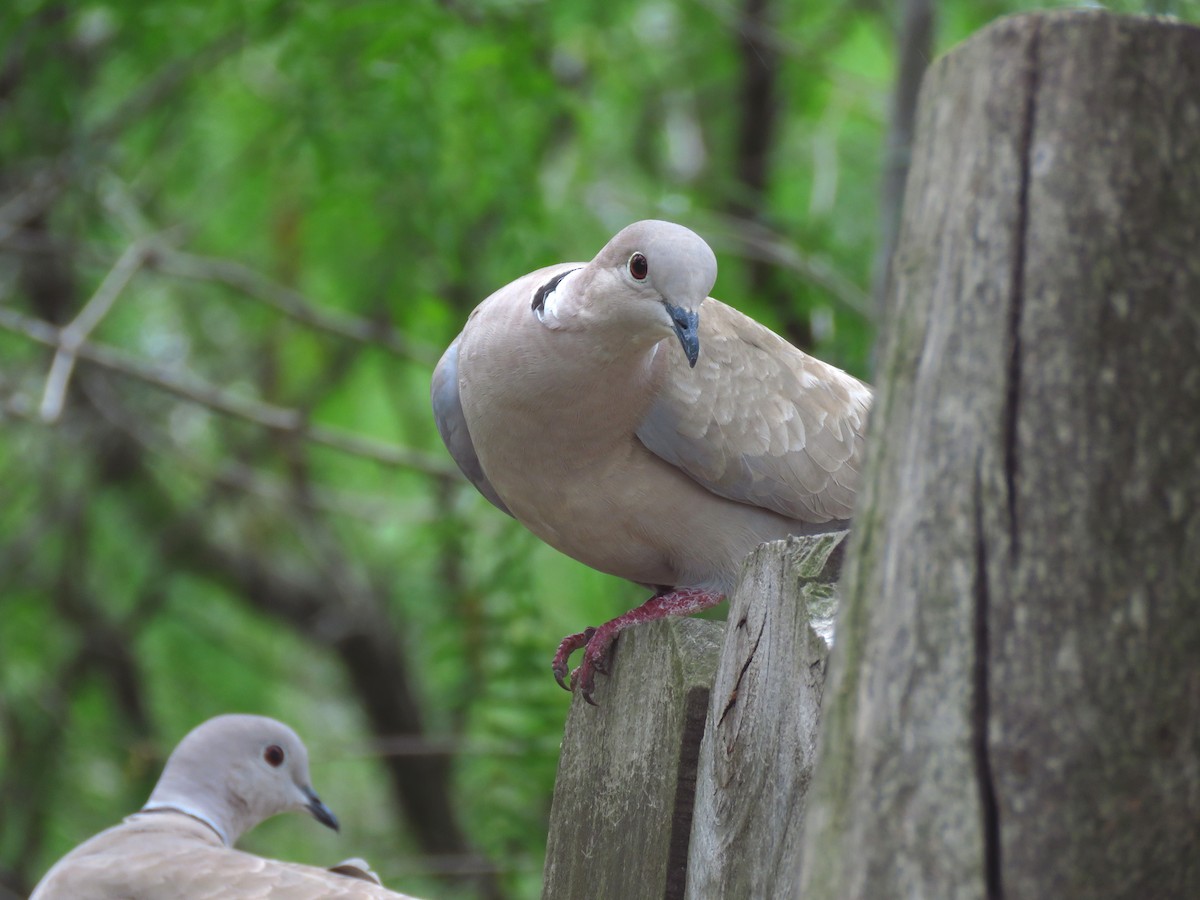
x=1014, y=703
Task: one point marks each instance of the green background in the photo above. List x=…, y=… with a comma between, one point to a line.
x=316, y=195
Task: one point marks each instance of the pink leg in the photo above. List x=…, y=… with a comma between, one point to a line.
x=598, y=641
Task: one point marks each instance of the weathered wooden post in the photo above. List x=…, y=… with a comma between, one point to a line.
x=642, y=806
x=760, y=743
x=622, y=809
x=1014, y=702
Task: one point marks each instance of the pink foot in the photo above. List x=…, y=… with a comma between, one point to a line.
x=569, y=645
x=597, y=642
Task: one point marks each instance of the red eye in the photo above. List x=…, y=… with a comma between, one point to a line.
x=274, y=756
x=639, y=267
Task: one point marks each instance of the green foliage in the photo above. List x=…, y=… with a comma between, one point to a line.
x=385, y=165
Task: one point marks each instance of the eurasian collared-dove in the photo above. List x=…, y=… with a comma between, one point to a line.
x=644, y=428
x=226, y=776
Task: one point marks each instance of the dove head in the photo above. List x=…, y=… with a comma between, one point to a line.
x=654, y=276
x=235, y=771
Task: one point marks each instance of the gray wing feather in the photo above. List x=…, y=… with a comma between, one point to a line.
x=452, y=424
x=760, y=422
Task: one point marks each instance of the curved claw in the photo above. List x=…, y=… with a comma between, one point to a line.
x=584, y=677
x=569, y=645
x=597, y=657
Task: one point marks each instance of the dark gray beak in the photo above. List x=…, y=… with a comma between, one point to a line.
x=320, y=811
x=687, y=327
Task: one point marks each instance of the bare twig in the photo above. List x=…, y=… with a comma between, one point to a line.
x=370, y=508
x=244, y=280
x=291, y=303
x=73, y=335
x=757, y=241
x=266, y=415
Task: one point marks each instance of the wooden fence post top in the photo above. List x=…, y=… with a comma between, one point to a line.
x=631, y=770
x=760, y=743
x=622, y=809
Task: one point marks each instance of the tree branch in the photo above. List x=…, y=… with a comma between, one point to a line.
x=757, y=241
x=291, y=303
x=266, y=415
x=74, y=334
x=370, y=508
x=244, y=280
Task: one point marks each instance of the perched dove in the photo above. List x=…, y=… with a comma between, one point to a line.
x=226, y=776
x=645, y=429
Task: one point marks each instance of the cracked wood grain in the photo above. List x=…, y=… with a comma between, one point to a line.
x=758, y=752
x=1013, y=708
x=622, y=807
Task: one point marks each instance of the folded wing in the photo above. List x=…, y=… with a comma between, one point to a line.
x=760, y=422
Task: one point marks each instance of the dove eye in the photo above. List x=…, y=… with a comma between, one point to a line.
x=274, y=756
x=639, y=267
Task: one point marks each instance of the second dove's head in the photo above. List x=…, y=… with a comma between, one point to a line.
x=235, y=771
x=655, y=275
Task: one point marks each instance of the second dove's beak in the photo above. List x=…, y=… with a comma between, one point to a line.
x=320, y=811
x=687, y=327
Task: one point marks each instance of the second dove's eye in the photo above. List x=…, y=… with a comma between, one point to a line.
x=274, y=756
x=639, y=267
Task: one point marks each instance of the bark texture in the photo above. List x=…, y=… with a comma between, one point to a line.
x=1014, y=701
x=622, y=810
x=760, y=743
